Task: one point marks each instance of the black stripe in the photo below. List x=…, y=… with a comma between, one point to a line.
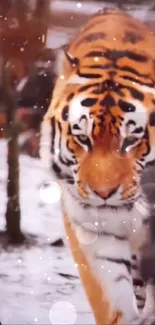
x=126, y=107
x=101, y=66
x=95, y=54
x=76, y=127
x=123, y=261
x=114, y=66
x=105, y=233
x=131, y=122
x=138, y=130
x=142, y=83
x=138, y=282
x=89, y=75
x=131, y=37
x=83, y=88
x=118, y=237
x=88, y=102
x=60, y=130
x=65, y=113
x=140, y=298
x=116, y=55
x=70, y=96
x=112, y=85
x=140, y=165
x=121, y=278
x=134, y=257
x=91, y=37
x=152, y=119
x=129, y=69
x=135, y=93
x=53, y=133
x=65, y=161
x=57, y=170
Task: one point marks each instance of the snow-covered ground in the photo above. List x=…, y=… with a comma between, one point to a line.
x=35, y=277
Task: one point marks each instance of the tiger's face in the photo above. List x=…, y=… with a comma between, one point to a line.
x=98, y=125
x=100, y=143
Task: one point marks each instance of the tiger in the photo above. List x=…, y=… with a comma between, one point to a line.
x=97, y=136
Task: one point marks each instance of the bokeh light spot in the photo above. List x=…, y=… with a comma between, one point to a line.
x=62, y=312
x=86, y=237
x=50, y=192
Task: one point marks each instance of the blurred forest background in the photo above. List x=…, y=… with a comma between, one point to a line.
x=31, y=34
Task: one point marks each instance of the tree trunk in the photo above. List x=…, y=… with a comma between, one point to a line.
x=23, y=36
x=13, y=206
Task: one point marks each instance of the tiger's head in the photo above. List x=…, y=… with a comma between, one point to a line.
x=98, y=132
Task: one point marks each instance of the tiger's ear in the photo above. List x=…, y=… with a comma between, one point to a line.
x=65, y=62
x=72, y=61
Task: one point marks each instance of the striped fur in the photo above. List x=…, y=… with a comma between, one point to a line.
x=98, y=136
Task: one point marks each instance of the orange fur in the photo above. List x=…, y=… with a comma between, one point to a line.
x=96, y=296
x=103, y=166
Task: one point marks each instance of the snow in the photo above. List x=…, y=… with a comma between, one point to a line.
x=73, y=6
x=60, y=35
x=89, y=7
x=30, y=276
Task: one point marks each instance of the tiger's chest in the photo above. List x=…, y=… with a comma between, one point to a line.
x=95, y=226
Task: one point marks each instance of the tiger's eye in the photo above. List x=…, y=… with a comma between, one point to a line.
x=82, y=137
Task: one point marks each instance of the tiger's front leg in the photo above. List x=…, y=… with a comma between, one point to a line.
x=105, y=271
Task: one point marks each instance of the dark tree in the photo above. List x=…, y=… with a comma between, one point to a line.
x=13, y=206
x=23, y=36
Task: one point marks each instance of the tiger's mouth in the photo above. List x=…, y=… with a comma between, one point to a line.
x=101, y=197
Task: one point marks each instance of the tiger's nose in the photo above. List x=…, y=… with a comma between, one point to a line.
x=106, y=192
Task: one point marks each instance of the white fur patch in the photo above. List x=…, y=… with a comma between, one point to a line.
x=140, y=117
x=122, y=223
x=146, y=89
x=76, y=110
x=75, y=79
x=45, y=143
